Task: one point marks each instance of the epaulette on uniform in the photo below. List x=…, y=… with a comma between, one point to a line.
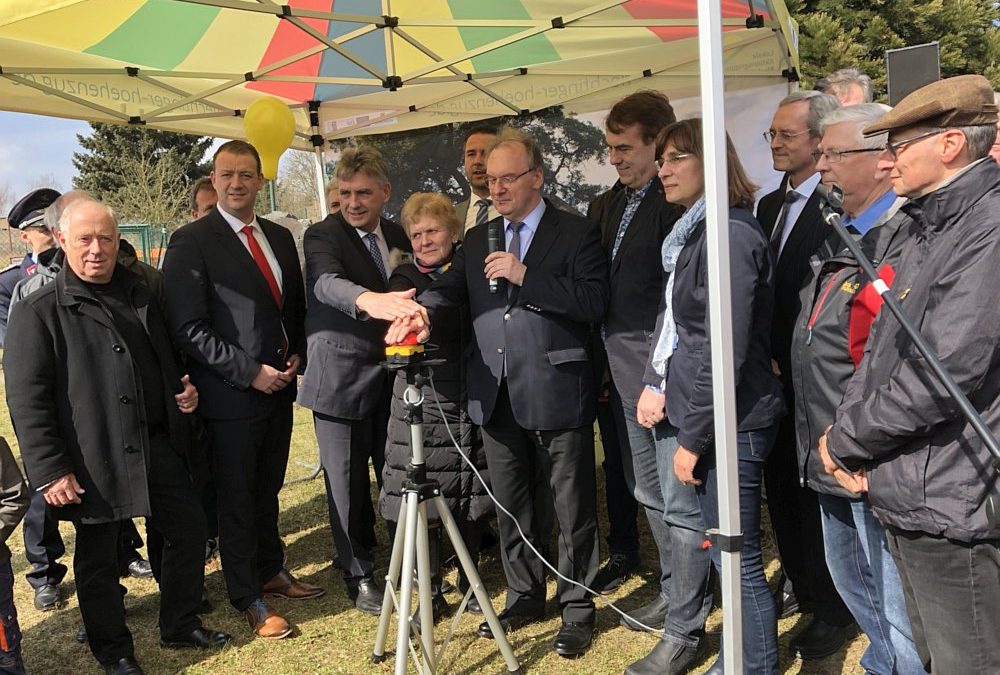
x=12, y=266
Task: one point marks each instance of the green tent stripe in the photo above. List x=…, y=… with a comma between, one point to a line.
x=159, y=35
x=536, y=49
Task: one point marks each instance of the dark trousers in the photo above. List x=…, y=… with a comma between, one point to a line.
x=522, y=463
x=798, y=529
x=952, y=593
x=176, y=514
x=345, y=448
x=623, y=535
x=249, y=458
x=43, y=545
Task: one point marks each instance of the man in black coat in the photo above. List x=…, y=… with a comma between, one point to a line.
x=791, y=218
x=234, y=291
x=531, y=383
x=108, y=438
x=348, y=260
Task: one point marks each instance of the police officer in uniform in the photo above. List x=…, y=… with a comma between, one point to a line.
x=28, y=217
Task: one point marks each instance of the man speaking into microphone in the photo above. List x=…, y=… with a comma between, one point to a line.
x=530, y=381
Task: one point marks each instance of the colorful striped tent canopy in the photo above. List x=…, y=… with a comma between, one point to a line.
x=366, y=66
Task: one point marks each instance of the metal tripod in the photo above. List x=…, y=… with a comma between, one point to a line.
x=411, y=545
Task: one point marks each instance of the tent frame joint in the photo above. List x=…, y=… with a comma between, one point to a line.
x=389, y=21
x=392, y=82
x=727, y=543
x=790, y=74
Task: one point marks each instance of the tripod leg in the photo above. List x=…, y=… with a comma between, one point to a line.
x=426, y=607
x=472, y=574
x=392, y=581
x=409, y=524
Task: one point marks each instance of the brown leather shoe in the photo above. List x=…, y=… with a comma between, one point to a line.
x=266, y=622
x=284, y=585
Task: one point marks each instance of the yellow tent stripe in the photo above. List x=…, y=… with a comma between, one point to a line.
x=76, y=27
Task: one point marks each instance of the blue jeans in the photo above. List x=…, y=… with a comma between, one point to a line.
x=639, y=464
x=690, y=562
x=10, y=638
x=867, y=579
x=760, y=623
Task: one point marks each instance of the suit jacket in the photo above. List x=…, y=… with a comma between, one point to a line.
x=9, y=279
x=636, y=285
x=462, y=210
x=344, y=378
x=541, y=330
x=224, y=317
x=791, y=269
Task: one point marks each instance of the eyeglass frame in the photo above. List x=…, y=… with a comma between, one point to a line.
x=892, y=147
x=839, y=154
x=673, y=160
x=506, y=181
x=769, y=135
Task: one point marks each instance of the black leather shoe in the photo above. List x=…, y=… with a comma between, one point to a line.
x=651, y=614
x=509, y=621
x=81, y=635
x=615, y=571
x=47, y=597
x=819, y=639
x=473, y=605
x=367, y=596
x=574, y=638
x=199, y=638
x=139, y=569
x=125, y=666
x=440, y=609
x=667, y=658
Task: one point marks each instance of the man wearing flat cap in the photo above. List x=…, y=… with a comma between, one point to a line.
x=28, y=218
x=899, y=436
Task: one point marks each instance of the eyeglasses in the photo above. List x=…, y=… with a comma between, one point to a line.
x=893, y=147
x=506, y=181
x=672, y=160
x=834, y=156
x=770, y=135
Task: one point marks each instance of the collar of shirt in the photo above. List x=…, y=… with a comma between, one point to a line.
x=236, y=223
x=473, y=211
x=528, y=231
x=805, y=188
x=637, y=195
x=377, y=231
x=867, y=218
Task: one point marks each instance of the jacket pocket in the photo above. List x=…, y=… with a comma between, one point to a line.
x=560, y=356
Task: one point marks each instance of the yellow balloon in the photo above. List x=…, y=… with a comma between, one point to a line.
x=270, y=128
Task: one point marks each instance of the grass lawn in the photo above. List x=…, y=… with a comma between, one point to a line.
x=335, y=638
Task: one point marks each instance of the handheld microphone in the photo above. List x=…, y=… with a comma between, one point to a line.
x=493, y=237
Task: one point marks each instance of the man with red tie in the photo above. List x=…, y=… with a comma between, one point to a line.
x=236, y=305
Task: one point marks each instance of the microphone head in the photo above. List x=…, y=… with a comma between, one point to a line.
x=833, y=196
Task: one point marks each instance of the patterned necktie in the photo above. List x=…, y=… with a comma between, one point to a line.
x=515, y=239
x=484, y=209
x=376, y=254
x=265, y=268
x=777, y=234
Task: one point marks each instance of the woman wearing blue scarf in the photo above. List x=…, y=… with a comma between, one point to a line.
x=678, y=400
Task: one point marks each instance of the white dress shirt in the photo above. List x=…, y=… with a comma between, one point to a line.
x=258, y=234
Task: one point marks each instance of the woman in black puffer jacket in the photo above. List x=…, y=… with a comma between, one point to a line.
x=433, y=228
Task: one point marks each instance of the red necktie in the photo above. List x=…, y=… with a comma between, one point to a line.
x=258, y=257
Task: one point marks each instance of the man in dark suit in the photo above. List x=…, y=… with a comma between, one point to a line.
x=478, y=207
x=234, y=291
x=791, y=218
x=632, y=234
x=347, y=265
x=530, y=380
x=102, y=415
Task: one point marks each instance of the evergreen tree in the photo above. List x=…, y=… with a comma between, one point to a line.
x=143, y=173
x=855, y=33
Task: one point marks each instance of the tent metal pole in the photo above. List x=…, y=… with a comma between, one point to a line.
x=318, y=145
x=729, y=536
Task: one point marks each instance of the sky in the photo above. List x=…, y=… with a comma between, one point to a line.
x=35, y=146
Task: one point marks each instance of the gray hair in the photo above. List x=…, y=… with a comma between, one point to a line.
x=515, y=136
x=70, y=210
x=364, y=159
x=841, y=79
x=980, y=139
x=820, y=105
x=860, y=115
x=55, y=210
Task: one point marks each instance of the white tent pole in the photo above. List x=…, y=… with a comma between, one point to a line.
x=720, y=314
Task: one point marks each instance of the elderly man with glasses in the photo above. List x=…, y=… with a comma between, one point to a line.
x=790, y=216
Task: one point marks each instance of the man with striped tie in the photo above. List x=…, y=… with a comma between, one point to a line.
x=347, y=265
x=478, y=208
